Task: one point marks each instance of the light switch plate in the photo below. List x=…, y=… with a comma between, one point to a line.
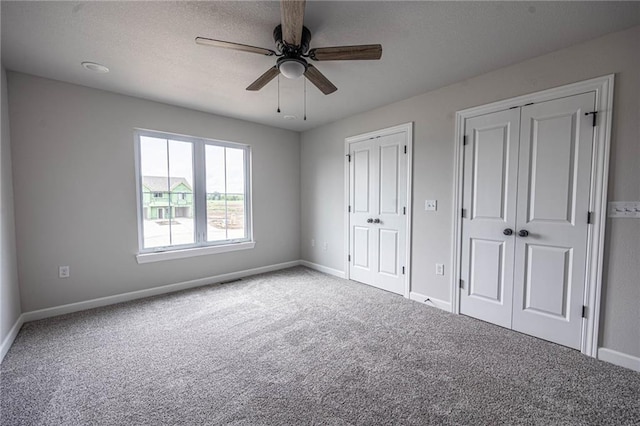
x=624, y=209
x=431, y=205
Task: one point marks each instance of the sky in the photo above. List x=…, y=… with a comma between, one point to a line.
x=154, y=162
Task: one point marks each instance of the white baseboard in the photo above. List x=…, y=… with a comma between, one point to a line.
x=619, y=358
x=431, y=301
x=155, y=291
x=11, y=336
x=324, y=269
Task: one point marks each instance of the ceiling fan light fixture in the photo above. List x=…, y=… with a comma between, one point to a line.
x=292, y=67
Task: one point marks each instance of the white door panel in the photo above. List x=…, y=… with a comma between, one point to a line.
x=556, y=148
x=361, y=247
x=490, y=173
x=388, y=255
x=545, y=267
x=362, y=179
x=486, y=279
x=362, y=239
x=377, y=221
x=389, y=169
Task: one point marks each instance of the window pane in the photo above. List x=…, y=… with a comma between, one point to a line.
x=180, y=202
x=169, y=171
x=154, y=169
x=216, y=193
x=235, y=193
x=166, y=167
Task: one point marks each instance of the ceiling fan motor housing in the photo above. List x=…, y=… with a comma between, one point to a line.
x=288, y=50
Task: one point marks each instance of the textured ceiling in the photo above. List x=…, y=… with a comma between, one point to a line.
x=150, y=49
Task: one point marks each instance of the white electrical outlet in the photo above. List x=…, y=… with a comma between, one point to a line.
x=431, y=205
x=63, y=272
x=439, y=269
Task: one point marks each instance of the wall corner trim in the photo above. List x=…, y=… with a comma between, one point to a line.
x=618, y=358
x=324, y=269
x=11, y=336
x=430, y=301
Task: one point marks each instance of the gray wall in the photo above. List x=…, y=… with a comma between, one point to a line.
x=322, y=160
x=9, y=291
x=75, y=196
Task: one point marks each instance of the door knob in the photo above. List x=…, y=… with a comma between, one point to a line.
x=523, y=233
x=376, y=221
x=508, y=231
x=369, y=220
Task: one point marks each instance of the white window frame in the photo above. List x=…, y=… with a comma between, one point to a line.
x=201, y=246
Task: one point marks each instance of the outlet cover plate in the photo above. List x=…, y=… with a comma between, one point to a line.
x=63, y=272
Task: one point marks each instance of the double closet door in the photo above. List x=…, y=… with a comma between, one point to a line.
x=377, y=218
x=526, y=200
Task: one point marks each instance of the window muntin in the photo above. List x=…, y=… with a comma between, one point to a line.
x=192, y=192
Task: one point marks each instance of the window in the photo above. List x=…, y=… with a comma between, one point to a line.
x=193, y=193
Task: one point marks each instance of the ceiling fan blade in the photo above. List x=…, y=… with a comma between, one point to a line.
x=264, y=79
x=319, y=80
x=292, y=17
x=235, y=46
x=347, y=53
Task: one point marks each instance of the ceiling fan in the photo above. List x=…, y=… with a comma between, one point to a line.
x=292, y=47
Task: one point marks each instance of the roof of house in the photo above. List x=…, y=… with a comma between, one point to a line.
x=159, y=183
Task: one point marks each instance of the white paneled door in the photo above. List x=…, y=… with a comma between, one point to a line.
x=489, y=200
x=527, y=174
x=377, y=218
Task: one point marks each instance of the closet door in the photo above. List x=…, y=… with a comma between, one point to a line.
x=489, y=203
x=363, y=198
x=378, y=221
x=556, y=144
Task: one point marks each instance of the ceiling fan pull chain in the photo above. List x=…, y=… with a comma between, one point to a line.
x=305, y=99
x=278, y=93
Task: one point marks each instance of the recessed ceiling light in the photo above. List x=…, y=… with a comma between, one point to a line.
x=289, y=117
x=92, y=66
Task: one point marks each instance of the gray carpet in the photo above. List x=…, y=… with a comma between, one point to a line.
x=298, y=347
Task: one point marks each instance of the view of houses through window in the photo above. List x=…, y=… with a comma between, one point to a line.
x=168, y=174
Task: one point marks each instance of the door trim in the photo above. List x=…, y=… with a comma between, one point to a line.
x=603, y=88
x=407, y=129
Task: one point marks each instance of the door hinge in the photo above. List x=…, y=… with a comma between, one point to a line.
x=405, y=149
x=461, y=283
x=349, y=258
x=349, y=209
x=464, y=213
x=404, y=210
x=403, y=270
x=589, y=217
x=349, y=157
x=584, y=311
x=464, y=140
x=595, y=115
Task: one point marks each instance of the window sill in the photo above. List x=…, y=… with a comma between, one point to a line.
x=192, y=252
